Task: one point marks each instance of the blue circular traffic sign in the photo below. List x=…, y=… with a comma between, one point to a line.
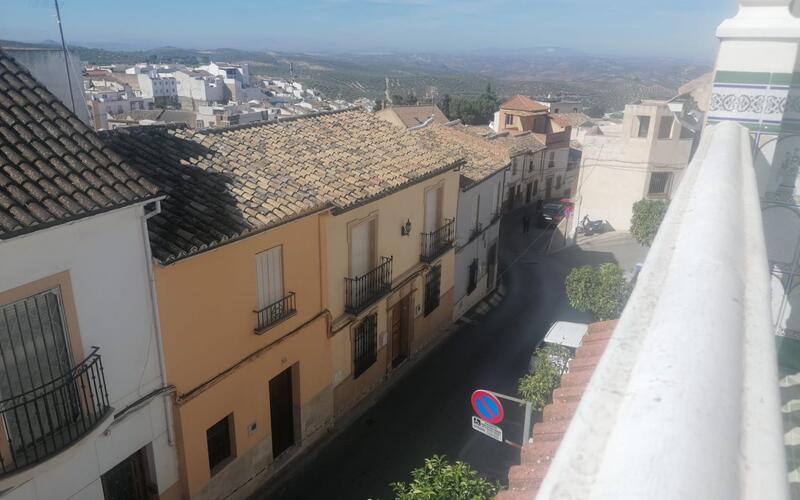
x=487, y=406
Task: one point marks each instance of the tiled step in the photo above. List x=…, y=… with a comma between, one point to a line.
x=568, y=394
x=517, y=494
x=550, y=431
x=601, y=336
x=559, y=411
x=582, y=364
x=578, y=378
x=523, y=477
x=590, y=350
x=539, y=452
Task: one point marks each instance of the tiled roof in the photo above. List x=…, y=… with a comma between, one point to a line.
x=53, y=168
x=524, y=479
x=513, y=144
x=482, y=157
x=572, y=119
x=523, y=103
x=411, y=116
x=223, y=184
x=516, y=144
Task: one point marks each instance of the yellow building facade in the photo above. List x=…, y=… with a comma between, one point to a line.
x=226, y=363
x=407, y=293
x=296, y=263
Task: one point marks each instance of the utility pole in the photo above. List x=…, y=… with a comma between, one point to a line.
x=66, y=55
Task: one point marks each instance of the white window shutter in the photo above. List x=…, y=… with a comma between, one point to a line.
x=361, y=249
x=269, y=268
x=431, y=209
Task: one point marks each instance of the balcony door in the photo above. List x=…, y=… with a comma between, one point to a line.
x=34, y=359
x=269, y=280
x=433, y=209
x=362, y=248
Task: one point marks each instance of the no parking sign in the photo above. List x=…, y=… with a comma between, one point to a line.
x=487, y=406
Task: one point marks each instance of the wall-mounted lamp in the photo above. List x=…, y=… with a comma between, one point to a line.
x=405, y=229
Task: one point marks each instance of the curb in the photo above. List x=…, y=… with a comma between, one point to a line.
x=350, y=416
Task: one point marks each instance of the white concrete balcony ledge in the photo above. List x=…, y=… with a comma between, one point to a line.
x=684, y=403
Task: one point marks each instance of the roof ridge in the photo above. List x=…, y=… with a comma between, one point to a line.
x=141, y=128
x=264, y=123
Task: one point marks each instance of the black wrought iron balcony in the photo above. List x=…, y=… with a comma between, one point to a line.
x=275, y=313
x=361, y=291
x=41, y=422
x=438, y=241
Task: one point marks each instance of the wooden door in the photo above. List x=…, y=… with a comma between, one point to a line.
x=399, y=330
x=548, y=188
x=281, y=412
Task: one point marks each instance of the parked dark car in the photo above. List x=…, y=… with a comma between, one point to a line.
x=553, y=211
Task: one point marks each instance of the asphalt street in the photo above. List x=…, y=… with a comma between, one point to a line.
x=427, y=411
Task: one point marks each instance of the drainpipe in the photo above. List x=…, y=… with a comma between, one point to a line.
x=156, y=323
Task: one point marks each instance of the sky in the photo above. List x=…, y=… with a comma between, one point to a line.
x=677, y=28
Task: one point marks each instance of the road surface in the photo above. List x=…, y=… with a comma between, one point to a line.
x=427, y=411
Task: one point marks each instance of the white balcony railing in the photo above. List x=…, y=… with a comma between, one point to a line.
x=684, y=403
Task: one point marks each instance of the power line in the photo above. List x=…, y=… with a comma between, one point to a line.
x=66, y=55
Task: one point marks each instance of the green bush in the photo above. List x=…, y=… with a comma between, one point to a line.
x=537, y=386
x=602, y=291
x=438, y=479
x=646, y=219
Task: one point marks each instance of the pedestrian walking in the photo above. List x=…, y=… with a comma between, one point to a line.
x=526, y=223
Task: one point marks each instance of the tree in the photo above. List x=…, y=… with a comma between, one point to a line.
x=444, y=105
x=646, y=219
x=537, y=386
x=477, y=111
x=602, y=291
x=438, y=479
x=596, y=111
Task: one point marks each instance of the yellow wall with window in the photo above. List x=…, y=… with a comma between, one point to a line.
x=220, y=366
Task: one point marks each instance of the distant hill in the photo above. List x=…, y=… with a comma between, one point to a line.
x=605, y=82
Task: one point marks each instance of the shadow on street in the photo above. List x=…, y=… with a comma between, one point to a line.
x=428, y=411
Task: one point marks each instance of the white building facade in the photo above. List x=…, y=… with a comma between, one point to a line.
x=477, y=241
x=83, y=398
x=643, y=158
x=92, y=277
x=153, y=85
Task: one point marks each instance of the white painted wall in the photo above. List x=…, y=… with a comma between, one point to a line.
x=47, y=66
x=467, y=251
x=616, y=167
x=105, y=257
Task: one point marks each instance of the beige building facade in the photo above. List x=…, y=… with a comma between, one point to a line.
x=641, y=158
x=390, y=266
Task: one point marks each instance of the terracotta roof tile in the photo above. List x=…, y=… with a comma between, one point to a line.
x=482, y=157
x=39, y=139
x=412, y=116
x=523, y=103
x=572, y=119
x=524, y=479
x=225, y=183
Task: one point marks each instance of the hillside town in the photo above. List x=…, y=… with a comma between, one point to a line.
x=221, y=285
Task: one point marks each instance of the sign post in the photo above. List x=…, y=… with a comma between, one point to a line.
x=488, y=407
